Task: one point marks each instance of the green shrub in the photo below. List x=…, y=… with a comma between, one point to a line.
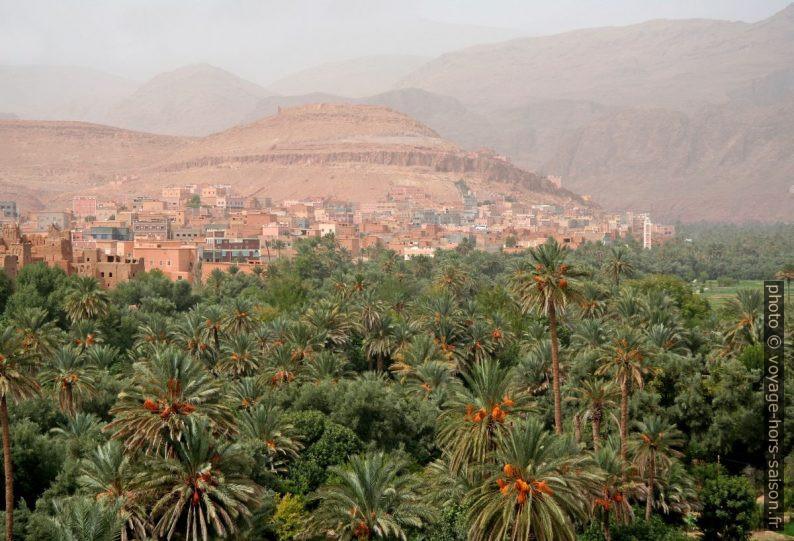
x=729, y=509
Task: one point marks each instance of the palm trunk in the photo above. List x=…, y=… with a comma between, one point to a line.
x=8, y=469
x=380, y=363
x=369, y=363
x=596, y=430
x=577, y=428
x=624, y=417
x=649, y=499
x=605, y=527
x=555, y=369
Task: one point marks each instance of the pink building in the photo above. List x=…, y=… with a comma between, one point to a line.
x=84, y=205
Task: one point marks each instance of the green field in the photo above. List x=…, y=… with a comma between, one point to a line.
x=717, y=294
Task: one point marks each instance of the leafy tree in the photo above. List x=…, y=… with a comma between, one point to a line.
x=335, y=445
x=6, y=289
x=290, y=517
x=728, y=509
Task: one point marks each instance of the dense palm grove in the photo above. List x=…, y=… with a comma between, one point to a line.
x=552, y=395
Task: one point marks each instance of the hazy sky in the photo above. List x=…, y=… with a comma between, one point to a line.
x=266, y=39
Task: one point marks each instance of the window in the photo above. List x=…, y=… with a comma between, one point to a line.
x=102, y=274
x=110, y=275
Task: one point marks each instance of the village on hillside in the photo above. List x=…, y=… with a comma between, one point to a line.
x=188, y=231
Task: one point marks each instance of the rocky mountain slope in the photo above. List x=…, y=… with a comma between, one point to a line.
x=193, y=100
x=352, y=152
x=354, y=78
x=684, y=118
x=60, y=92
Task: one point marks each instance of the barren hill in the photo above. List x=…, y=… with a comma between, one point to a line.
x=353, y=152
x=685, y=118
x=193, y=100
x=60, y=92
x=661, y=63
x=354, y=78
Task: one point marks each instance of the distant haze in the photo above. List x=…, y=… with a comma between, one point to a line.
x=266, y=40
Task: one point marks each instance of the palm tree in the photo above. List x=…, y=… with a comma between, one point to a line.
x=17, y=383
x=213, y=323
x=246, y=393
x=548, y=288
x=371, y=498
x=278, y=245
x=199, y=488
x=167, y=390
x=454, y=280
x=327, y=365
x=619, y=264
x=84, y=334
x=276, y=440
x=281, y=366
x=39, y=336
x=155, y=333
x=612, y=501
x=653, y=449
x=215, y=281
x=745, y=312
x=103, y=357
x=83, y=519
x=73, y=377
x=593, y=301
x=80, y=434
x=595, y=397
x=534, y=368
x=787, y=274
x=540, y=486
x=240, y=318
x=379, y=341
x=301, y=341
x=239, y=357
x=191, y=334
x=85, y=299
x=328, y=321
x=109, y=476
x=675, y=490
x=625, y=358
x=478, y=413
